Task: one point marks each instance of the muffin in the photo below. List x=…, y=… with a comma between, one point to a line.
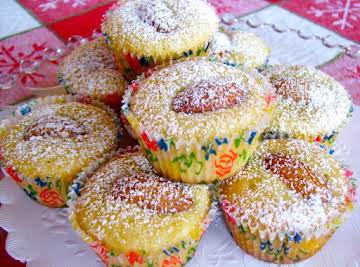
x=287, y=202
x=89, y=70
x=238, y=48
x=48, y=144
x=131, y=216
x=312, y=105
x=145, y=33
x=198, y=121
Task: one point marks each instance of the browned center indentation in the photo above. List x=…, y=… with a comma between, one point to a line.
x=153, y=193
x=54, y=126
x=156, y=14
x=208, y=96
x=296, y=89
x=296, y=175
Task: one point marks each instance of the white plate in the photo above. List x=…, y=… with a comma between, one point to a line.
x=43, y=237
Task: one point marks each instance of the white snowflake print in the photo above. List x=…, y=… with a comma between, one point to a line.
x=343, y=13
x=53, y=4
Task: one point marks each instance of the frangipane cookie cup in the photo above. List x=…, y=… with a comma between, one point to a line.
x=89, y=70
x=146, y=33
x=131, y=216
x=49, y=141
x=311, y=105
x=287, y=202
x=198, y=121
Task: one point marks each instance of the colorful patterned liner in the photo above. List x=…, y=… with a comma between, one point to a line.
x=325, y=140
x=198, y=163
x=49, y=191
x=234, y=63
x=292, y=249
x=175, y=255
x=285, y=247
x=113, y=100
x=172, y=256
x=127, y=125
x=133, y=65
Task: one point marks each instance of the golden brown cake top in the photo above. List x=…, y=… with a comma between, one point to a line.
x=87, y=58
x=100, y=83
x=126, y=205
x=287, y=186
x=189, y=101
x=160, y=28
x=239, y=48
x=59, y=140
x=310, y=101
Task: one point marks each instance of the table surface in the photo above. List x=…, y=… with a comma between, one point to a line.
x=27, y=27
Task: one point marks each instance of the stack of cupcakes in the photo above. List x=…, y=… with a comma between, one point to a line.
x=199, y=121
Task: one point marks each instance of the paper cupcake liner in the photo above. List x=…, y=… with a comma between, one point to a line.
x=49, y=191
x=127, y=125
x=286, y=246
x=289, y=250
x=132, y=65
x=234, y=63
x=200, y=163
x=325, y=141
x=175, y=255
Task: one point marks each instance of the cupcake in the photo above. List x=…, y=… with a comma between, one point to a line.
x=131, y=216
x=90, y=70
x=198, y=121
x=49, y=143
x=287, y=202
x=145, y=33
x=238, y=48
x=312, y=105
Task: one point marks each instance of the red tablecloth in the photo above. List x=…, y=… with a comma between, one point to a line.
x=49, y=23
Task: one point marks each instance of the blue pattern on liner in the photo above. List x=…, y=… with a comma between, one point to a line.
x=219, y=142
x=251, y=138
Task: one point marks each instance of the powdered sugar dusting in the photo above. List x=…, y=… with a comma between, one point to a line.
x=161, y=29
x=297, y=175
x=88, y=58
x=209, y=95
x=262, y=199
x=220, y=43
x=157, y=14
x=239, y=48
x=59, y=140
x=133, y=220
x=156, y=194
x=100, y=83
x=308, y=98
x=54, y=126
x=152, y=104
